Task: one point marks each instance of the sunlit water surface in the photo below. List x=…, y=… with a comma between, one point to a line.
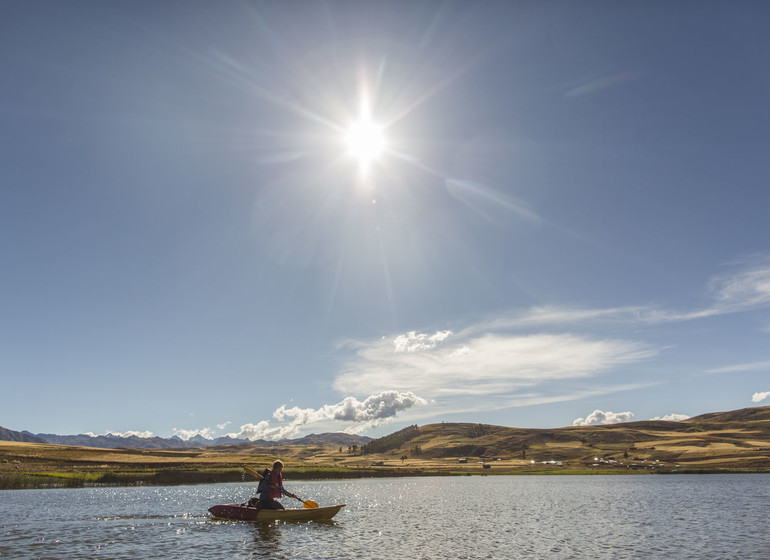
x=505, y=517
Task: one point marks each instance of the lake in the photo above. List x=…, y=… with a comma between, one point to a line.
x=498, y=517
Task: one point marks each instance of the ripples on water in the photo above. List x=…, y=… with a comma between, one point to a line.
x=499, y=517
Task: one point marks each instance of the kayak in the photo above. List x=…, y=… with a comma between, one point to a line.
x=246, y=513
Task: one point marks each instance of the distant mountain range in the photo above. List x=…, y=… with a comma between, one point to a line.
x=10, y=435
x=115, y=442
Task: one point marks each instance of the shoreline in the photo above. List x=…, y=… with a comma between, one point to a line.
x=37, y=465
x=32, y=480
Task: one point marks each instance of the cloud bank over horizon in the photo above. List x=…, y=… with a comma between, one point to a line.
x=513, y=359
x=598, y=417
x=130, y=433
x=674, y=417
x=369, y=413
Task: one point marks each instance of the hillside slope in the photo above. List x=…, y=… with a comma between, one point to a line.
x=728, y=438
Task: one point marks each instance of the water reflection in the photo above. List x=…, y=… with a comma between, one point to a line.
x=284, y=539
x=267, y=537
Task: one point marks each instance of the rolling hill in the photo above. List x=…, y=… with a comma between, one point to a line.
x=727, y=438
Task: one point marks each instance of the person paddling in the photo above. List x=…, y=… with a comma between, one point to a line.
x=272, y=487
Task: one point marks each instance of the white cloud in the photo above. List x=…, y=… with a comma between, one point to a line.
x=488, y=364
x=598, y=417
x=262, y=430
x=759, y=397
x=671, y=417
x=206, y=433
x=130, y=433
x=369, y=413
x=374, y=408
x=415, y=342
x=223, y=425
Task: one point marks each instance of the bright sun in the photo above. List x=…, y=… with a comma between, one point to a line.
x=364, y=141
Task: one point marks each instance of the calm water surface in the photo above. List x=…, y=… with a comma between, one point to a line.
x=500, y=517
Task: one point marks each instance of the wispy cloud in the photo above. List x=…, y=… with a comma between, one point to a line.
x=599, y=417
x=733, y=292
x=747, y=289
x=603, y=82
x=531, y=397
x=752, y=366
x=487, y=364
x=759, y=397
x=744, y=289
x=561, y=316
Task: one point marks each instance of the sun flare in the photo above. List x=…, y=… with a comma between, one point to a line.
x=365, y=141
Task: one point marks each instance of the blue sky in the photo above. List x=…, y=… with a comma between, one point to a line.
x=567, y=221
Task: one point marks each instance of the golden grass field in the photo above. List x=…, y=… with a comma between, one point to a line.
x=737, y=441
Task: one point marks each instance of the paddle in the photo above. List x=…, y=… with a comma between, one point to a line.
x=252, y=472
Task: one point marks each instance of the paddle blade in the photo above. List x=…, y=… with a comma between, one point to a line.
x=307, y=503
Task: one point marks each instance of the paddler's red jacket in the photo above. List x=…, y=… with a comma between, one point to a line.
x=275, y=488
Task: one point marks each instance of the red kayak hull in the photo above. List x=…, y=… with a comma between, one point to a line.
x=245, y=513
